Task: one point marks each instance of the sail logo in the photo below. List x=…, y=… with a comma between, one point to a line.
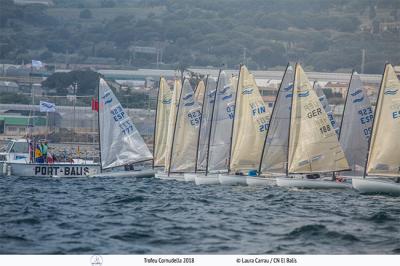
x=188, y=99
x=356, y=92
x=167, y=100
x=211, y=93
x=107, y=97
x=227, y=97
x=187, y=96
x=191, y=103
x=289, y=87
x=304, y=94
x=391, y=91
x=358, y=100
x=225, y=89
x=247, y=91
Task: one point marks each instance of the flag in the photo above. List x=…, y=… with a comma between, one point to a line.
x=47, y=107
x=95, y=105
x=37, y=63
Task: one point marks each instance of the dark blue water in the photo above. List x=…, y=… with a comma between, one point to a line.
x=135, y=216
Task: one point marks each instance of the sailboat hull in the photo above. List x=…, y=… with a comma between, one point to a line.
x=260, y=181
x=309, y=183
x=368, y=186
x=189, y=177
x=163, y=175
x=52, y=170
x=128, y=174
x=232, y=180
x=206, y=180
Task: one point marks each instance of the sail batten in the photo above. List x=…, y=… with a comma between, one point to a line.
x=120, y=143
x=313, y=143
x=384, y=153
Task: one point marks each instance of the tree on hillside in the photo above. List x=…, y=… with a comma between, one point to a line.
x=86, y=80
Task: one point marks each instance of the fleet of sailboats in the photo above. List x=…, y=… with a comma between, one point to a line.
x=234, y=140
x=221, y=132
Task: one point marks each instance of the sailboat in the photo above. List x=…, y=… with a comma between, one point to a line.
x=185, y=134
x=355, y=128
x=383, y=161
x=249, y=128
x=313, y=144
x=120, y=144
x=205, y=95
x=219, y=139
x=274, y=153
x=168, y=127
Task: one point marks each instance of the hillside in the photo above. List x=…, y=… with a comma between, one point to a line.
x=324, y=35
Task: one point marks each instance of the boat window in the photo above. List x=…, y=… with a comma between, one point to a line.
x=20, y=147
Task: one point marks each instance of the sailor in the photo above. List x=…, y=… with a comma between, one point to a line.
x=38, y=154
x=44, y=149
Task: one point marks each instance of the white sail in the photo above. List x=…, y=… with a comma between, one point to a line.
x=276, y=144
x=207, y=109
x=324, y=101
x=186, y=133
x=164, y=101
x=171, y=121
x=250, y=125
x=120, y=142
x=221, y=128
x=356, y=126
x=384, y=154
x=313, y=144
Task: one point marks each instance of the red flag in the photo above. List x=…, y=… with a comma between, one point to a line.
x=95, y=105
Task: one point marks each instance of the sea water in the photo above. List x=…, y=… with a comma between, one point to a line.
x=137, y=216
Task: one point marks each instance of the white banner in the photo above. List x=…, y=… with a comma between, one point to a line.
x=206, y=260
x=47, y=107
x=37, y=63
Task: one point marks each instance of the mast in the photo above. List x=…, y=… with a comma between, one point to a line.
x=272, y=115
x=233, y=122
x=211, y=122
x=173, y=134
x=155, y=121
x=290, y=120
x=98, y=122
x=201, y=122
x=373, y=123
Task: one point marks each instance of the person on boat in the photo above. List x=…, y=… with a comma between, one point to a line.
x=38, y=153
x=31, y=152
x=45, y=147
